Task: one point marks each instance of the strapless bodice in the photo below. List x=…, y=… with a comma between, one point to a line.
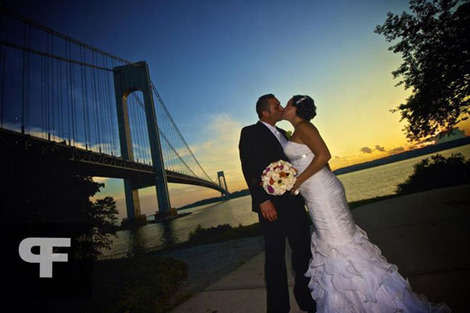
x=301, y=156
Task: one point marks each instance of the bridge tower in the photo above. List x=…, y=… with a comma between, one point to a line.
x=221, y=179
x=127, y=79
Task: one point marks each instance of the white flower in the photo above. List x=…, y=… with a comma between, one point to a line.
x=278, y=177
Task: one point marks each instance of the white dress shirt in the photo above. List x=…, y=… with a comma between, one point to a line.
x=280, y=137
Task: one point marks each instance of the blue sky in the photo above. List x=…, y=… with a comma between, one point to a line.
x=211, y=60
x=219, y=56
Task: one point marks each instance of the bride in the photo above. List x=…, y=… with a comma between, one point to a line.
x=347, y=272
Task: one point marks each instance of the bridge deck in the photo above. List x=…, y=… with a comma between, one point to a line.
x=91, y=163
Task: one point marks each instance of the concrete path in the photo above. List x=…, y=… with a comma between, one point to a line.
x=426, y=234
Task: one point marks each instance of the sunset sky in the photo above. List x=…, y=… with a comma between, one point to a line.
x=211, y=60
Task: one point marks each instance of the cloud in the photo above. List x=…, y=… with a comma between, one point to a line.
x=366, y=150
x=106, y=147
x=379, y=148
x=396, y=150
x=97, y=179
x=219, y=152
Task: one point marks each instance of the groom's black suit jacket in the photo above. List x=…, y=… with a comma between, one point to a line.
x=258, y=148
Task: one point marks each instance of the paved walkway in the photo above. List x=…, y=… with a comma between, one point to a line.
x=426, y=234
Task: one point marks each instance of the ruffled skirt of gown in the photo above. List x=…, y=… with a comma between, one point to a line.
x=355, y=277
x=348, y=274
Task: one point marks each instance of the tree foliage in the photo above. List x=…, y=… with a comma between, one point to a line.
x=100, y=222
x=434, y=42
x=437, y=172
x=43, y=189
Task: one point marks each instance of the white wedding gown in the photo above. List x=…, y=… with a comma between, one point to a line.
x=348, y=274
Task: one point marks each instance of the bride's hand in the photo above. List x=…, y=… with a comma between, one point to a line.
x=295, y=189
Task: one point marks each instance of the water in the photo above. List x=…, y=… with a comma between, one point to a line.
x=364, y=184
x=383, y=180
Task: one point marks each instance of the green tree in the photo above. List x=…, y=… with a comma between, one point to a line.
x=100, y=222
x=437, y=172
x=435, y=45
x=43, y=188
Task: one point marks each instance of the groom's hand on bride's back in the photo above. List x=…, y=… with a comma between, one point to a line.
x=268, y=210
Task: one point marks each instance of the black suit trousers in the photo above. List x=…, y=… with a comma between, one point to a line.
x=292, y=223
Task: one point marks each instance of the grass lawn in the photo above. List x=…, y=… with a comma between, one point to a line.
x=141, y=284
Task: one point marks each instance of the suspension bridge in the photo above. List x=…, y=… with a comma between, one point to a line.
x=99, y=112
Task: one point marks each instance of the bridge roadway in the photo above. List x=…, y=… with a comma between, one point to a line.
x=91, y=163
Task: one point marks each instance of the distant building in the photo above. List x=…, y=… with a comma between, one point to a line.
x=453, y=134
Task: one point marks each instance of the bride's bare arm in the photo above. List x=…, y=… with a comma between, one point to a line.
x=310, y=136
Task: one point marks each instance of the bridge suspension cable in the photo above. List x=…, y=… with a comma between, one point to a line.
x=66, y=94
x=160, y=100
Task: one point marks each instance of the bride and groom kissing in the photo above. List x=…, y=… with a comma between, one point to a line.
x=336, y=268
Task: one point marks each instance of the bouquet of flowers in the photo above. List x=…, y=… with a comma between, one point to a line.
x=278, y=177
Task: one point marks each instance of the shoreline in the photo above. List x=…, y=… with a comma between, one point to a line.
x=240, y=233
x=431, y=149
x=168, y=218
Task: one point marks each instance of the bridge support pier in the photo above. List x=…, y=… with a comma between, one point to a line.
x=127, y=79
x=221, y=180
x=132, y=200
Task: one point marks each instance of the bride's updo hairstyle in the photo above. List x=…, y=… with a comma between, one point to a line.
x=306, y=108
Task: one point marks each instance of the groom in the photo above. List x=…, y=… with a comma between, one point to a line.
x=279, y=216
